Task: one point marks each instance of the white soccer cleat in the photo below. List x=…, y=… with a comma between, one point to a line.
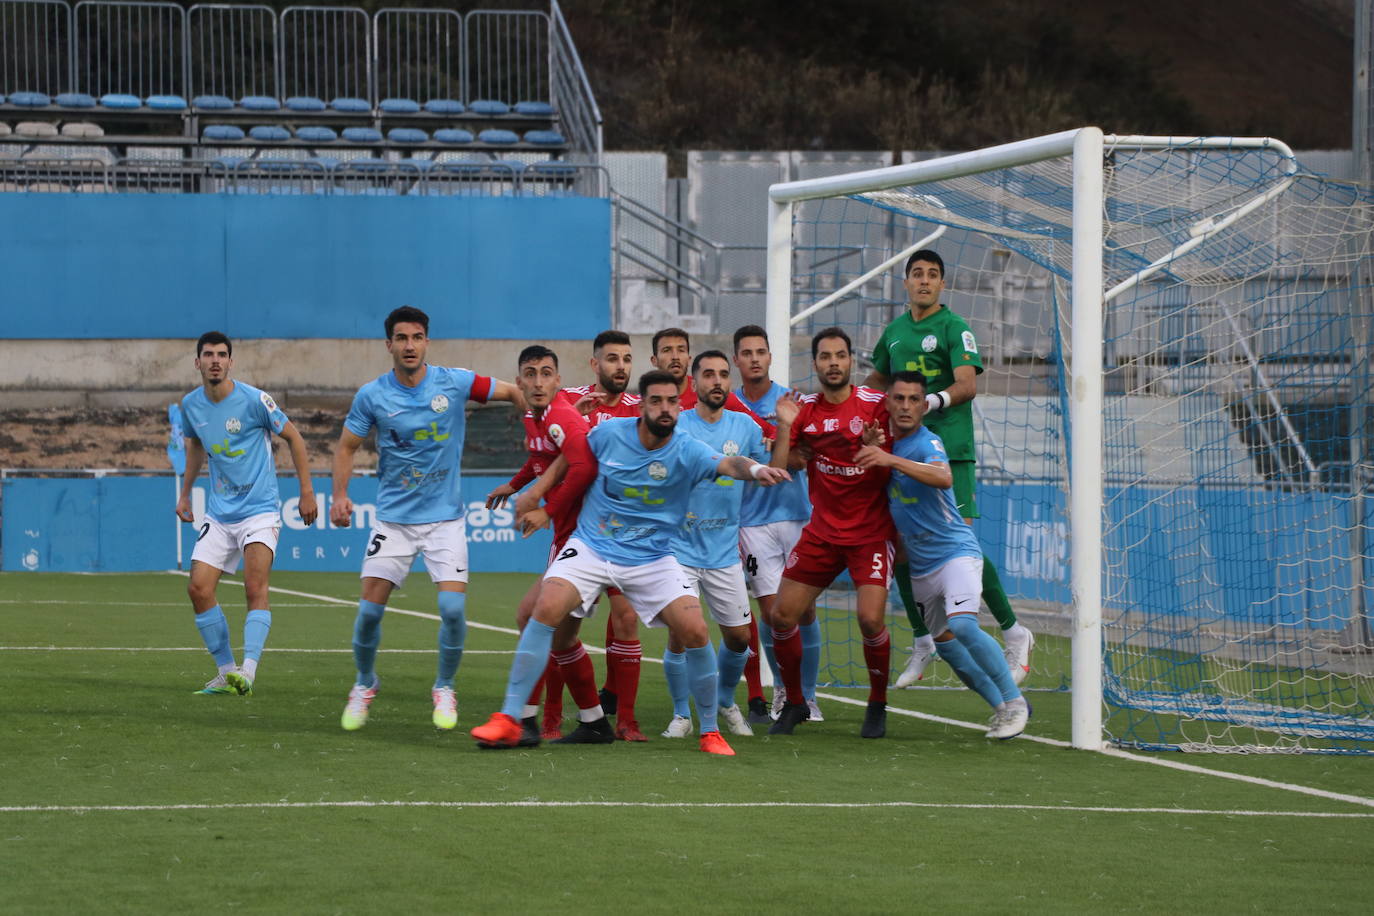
x=680, y=727
x=359, y=700
x=779, y=701
x=1019, y=642
x=815, y=712
x=733, y=720
x=445, y=708
x=1009, y=720
x=922, y=651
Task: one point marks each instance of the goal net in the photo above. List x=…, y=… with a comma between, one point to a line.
x=1174, y=425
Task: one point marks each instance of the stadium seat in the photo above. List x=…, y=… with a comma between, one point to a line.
x=212, y=102
x=444, y=106
x=30, y=99
x=120, y=101
x=259, y=103
x=317, y=134
x=406, y=135
x=305, y=103
x=82, y=129
x=75, y=100
x=534, y=109
x=351, y=105
x=166, y=103
x=36, y=129
x=222, y=132
x=4, y=129
x=453, y=135
x=488, y=107
x=362, y=135
x=328, y=163
x=544, y=137
x=423, y=165
x=269, y=132
x=498, y=137
x=227, y=162
x=399, y=106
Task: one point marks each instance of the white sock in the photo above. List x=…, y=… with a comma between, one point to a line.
x=225, y=669
x=249, y=668
x=924, y=643
x=591, y=714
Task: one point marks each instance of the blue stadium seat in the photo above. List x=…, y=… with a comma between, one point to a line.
x=212, y=102
x=328, y=163
x=497, y=137
x=488, y=107
x=406, y=135
x=317, y=134
x=227, y=162
x=444, y=106
x=534, y=109
x=362, y=135
x=30, y=99
x=453, y=135
x=222, y=132
x=120, y=101
x=423, y=165
x=544, y=137
x=75, y=100
x=166, y=103
x=399, y=106
x=305, y=103
x=269, y=132
x=260, y=103
x=351, y=105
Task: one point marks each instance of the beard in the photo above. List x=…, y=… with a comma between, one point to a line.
x=662, y=426
x=611, y=385
x=714, y=400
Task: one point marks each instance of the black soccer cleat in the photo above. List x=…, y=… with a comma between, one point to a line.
x=758, y=712
x=875, y=720
x=598, y=732
x=609, y=701
x=789, y=717
x=529, y=732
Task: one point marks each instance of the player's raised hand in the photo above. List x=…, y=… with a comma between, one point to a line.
x=184, y=509
x=787, y=409
x=872, y=456
x=587, y=403
x=308, y=508
x=341, y=512
x=873, y=433
x=497, y=498
x=532, y=521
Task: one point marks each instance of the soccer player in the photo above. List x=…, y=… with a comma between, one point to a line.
x=946, y=561
x=707, y=544
x=930, y=339
x=645, y=474
x=549, y=423
x=232, y=423
x=770, y=523
x=417, y=411
x=850, y=528
x=673, y=354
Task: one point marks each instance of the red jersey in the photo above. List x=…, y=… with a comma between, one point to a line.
x=732, y=402
x=627, y=405
x=848, y=503
x=545, y=439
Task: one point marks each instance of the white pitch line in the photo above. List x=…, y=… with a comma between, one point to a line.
x=937, y=806
x=125, y=603
x=268, y=651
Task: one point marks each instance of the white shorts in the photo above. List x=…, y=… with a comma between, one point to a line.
x=765, y=549
x=220, y=544
x=649, y=587
x=724, y=592
x=955, y=588
x=391, y=548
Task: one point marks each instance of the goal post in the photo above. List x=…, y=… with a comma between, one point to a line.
x=1152, y=270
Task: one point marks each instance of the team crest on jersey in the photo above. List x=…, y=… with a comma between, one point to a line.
x=657, y=470
x=439, y=404
x=556, y=434
x=233, y=425
x=929, y=343
x=856, y=426
x=970, y=344
x=731, y=447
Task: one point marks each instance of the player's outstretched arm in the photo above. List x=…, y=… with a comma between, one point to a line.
x=932, y=474
x=340, y=506
x=534, y=494
x=308, y=508
x=742, y=468
x=505, y=391
x=195, y=460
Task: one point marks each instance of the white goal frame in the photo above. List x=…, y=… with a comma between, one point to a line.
x=1087, y=146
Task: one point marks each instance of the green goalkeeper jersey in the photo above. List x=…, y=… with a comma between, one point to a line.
x=934, y=346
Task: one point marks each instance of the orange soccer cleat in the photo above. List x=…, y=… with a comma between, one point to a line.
x=501, y=731
x=713, y=743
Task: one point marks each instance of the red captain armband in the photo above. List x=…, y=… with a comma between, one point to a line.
x=481, y=388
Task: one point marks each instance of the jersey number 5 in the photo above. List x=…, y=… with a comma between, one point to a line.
x=375, y=545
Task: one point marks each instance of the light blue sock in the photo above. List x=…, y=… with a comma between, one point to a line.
x=985, y=652
x=214, y=630
x=811, y=658
x=531, y=658
x=453, y=633
x=766, y=643
x=255, y=630
x=729, y=669
x=675, y=673
x=367, y=633
x=969, y=671
x=701, y=674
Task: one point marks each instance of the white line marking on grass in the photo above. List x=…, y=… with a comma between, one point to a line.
x=937, y=806
x=124, y=603
x=1125, y=755
x=268, y=651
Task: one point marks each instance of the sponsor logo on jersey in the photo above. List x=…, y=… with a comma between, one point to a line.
x=810, y=428
x=439, y=404
x=657, y=470
x=233, y=425
x=856, y=425
x=731, y=447
x=838, y=470
x=929, y=343
x=556, y=434
x=267, y=401
x=970, y=344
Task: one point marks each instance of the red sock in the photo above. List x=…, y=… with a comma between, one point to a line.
x=878, y=658
x=553, y=682
x=787, y=649
x=610, y=685
x=580, y=678
x=623, y=657
x=537, y=695
x=751, y=665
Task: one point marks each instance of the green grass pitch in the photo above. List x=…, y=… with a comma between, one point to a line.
x=121, y=791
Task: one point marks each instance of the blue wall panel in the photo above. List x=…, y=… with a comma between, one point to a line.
x=167, y=266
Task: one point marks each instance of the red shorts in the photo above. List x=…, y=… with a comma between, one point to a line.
x=816, y=562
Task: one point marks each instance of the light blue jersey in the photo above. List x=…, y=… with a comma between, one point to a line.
x=709, y=535
x=237, y=435
x=785, y=501
x=926, y=517
x=419, y=441
x=635, y=506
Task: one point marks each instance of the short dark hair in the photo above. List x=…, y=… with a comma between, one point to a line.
x=750, y=330
x=710, y=354
x=213, y=337
x=536, y=352
x=670, y=332
x=910, y=376
x=830, y=332
x=655, y=377
x=925, y=254
x=409, y=314
x=610, y=337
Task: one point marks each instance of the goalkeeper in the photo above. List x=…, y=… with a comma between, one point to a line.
x=930, y=339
